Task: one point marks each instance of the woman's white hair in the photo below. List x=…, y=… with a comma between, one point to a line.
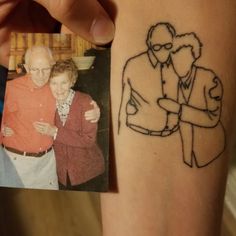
x=188, y=40
x=35, y=49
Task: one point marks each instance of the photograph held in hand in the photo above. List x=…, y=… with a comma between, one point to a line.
x=55, y=120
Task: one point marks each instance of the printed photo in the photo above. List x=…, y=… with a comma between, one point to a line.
x=55, y=119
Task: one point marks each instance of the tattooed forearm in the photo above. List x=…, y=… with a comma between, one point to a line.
x=182, y=96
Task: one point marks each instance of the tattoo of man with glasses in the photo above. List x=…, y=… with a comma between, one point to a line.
x=152, y=67
x=182, y=99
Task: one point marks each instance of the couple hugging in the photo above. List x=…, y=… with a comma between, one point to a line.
x=49, y=130
x=182, y=97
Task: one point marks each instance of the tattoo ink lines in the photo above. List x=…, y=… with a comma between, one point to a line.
x=182, y=97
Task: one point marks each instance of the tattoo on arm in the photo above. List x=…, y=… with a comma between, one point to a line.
x=193, y=110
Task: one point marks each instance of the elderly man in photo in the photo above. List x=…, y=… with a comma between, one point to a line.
x=30, y=107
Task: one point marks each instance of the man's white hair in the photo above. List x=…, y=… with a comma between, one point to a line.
x=36, y=49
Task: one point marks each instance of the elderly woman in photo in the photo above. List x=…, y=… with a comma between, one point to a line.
x=78, y=156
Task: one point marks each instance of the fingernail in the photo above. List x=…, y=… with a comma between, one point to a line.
x=102, y=30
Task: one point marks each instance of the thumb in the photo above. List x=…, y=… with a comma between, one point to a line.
x=87, y=18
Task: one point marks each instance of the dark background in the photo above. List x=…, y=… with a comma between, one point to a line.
x=96, y=82
x=3, y=78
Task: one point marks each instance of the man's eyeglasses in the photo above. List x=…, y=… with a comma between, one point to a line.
x=43, y=70
x=158, y=47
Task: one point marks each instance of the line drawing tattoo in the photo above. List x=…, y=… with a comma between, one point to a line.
x=182, y=97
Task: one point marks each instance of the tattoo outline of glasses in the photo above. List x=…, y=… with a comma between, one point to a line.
x=158, y=47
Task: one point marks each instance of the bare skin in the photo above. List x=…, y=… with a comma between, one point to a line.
x=154, y=192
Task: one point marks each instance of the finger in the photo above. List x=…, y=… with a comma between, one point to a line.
x=39, y=128
x=39, y=123
x=85, y=18
x=65, y=30
x=5, y=132
x=8, y=134
x=94, y=121
x=42, y=129
x=21, y=16
x=8, y=131
x=91, y=117
x=89, y=113
x=94, y=104
x=6, y=6
x=36, y=126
